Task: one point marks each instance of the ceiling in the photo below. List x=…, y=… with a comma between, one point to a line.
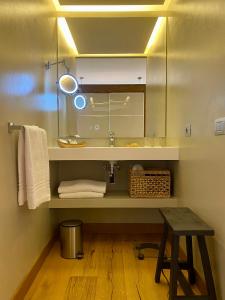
x=107, y=35
x=111, y=35
x=111, y=2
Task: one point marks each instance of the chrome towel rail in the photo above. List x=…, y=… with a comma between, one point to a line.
x=12, y=127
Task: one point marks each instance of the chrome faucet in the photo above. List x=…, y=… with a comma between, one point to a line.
x=111, y=139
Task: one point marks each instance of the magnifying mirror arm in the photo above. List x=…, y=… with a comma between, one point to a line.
x=65, y=65
x=48, y=65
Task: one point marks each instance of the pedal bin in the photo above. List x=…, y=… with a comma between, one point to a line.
x=71, y=239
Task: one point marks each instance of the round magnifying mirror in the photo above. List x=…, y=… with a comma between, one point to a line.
x=80, y=102
x=68, y=84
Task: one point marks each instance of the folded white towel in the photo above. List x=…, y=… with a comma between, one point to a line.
x=81, y=195
x=33, y=167
x=82, y=185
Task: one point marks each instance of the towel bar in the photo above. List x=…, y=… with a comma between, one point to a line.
x=12, y=126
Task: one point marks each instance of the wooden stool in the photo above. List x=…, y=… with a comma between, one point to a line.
x=183, y=222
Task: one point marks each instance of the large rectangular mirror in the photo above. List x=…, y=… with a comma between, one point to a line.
x=125, y=95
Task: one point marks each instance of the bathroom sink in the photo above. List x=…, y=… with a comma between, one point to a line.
x=106, y=153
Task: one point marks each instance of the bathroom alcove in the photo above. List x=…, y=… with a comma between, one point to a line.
x=116, y=206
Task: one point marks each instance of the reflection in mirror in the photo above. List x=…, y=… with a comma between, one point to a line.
x=156, y=85
x=93, y=122
x=80, y=102
x=121, y=113
x=128, y=113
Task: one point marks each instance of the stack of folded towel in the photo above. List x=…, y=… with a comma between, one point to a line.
x=82, y=188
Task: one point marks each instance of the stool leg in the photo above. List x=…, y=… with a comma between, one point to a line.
x=207, y=268
x=191, y=271
x=174, y=268
x=162, y=248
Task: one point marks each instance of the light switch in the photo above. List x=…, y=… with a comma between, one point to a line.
x=188, y=130
x=219, y=126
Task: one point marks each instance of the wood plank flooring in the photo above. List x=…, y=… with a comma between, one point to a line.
x=109, y=270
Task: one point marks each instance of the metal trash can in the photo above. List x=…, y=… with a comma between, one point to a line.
x=71, y=239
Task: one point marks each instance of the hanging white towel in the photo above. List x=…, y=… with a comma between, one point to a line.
x=33, y=167
x=82, y=185
x=22, y=195
x=81, y=195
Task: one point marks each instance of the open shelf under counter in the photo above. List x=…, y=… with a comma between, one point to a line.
x=113, y=200
x=114, y=153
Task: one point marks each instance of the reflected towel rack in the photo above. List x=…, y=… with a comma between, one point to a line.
x=12, y=127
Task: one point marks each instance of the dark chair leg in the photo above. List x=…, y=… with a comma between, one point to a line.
x=162, y=248
x=174, y=268
x=143, y=246
x=207, y=268
x=191, y=271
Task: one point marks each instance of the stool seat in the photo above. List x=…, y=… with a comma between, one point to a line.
x=184, y=222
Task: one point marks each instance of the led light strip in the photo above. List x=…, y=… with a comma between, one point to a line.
x=107, y=8
x=167, y=3
x=154, y=34
x=113, y=55
x=67, y=34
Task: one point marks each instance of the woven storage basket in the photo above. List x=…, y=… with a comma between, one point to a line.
x=149, y=183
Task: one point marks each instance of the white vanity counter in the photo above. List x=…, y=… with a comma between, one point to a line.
x=114, y=200
x=114, y=153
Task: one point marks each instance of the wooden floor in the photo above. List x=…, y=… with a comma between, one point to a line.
x=109, y=270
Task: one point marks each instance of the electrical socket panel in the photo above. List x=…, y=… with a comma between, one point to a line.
x=219, y=126
x=188, y=130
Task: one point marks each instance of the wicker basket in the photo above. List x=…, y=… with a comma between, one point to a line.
x=150, y=184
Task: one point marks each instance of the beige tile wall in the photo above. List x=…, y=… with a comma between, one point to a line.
x=27, y=96
x=196, y=94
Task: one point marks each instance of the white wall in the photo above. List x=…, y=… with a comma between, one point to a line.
x=111, y=70
x=27, y=96
x=196, y=94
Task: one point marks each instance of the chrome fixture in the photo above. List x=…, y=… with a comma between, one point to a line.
x=48, y=64
x=111, y=139
x=112, y=167
x=67, y=83
x=12, y=127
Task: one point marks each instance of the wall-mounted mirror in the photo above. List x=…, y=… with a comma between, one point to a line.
x=68, y=84
x=126, y=95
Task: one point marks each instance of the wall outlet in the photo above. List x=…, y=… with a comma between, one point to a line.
x=188, y=130
x=219, y=126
